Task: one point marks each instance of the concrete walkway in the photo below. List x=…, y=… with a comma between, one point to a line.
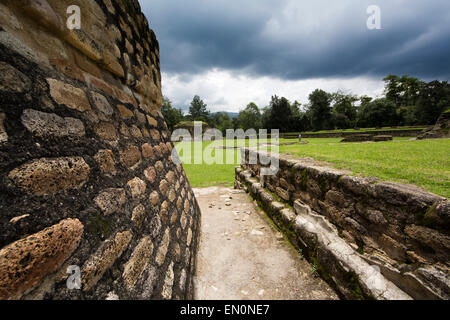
x=243, y=257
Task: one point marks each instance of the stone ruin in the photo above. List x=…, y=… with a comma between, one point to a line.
x=88, y=185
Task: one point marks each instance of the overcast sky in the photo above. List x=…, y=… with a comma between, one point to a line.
x=232, y=52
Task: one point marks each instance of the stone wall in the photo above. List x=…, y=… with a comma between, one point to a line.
x=86, y=173
x=401, y=229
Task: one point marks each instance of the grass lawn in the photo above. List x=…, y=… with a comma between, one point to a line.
x=424, y=163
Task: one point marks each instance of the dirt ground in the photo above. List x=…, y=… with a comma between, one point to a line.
x=243, y=257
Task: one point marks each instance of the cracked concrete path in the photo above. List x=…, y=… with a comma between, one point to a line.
x=243, y=257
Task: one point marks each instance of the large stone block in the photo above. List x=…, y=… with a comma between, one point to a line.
x=96, y=266
x=66, y=94
x=24, y=263
x=48, y=176
x=43, y=125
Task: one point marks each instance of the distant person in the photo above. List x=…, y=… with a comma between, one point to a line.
x=299, y=138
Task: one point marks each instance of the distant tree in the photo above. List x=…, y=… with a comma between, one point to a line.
x=344, y=110
x=221, y=121
x=280, y=114
x=402, y=91
x=320, y=110
x=171, y=115
x=250, y=117
x=198, y=111
x=377, y=113
x=434, y=99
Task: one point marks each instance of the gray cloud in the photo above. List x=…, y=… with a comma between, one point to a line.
x=293, y=39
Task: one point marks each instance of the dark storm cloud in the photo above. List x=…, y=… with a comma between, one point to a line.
x=294, y=39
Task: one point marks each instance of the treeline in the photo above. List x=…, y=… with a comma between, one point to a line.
x=407, y=101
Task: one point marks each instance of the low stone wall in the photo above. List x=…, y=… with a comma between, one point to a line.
x=86, y=175
x=394, y=133
x=399, y=228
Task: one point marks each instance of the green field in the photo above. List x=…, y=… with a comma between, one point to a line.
x=424, y=163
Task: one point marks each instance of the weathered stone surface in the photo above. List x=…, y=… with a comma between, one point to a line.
x=189, y=237
x=172, y=195
x=111, y=200
x=43, y=124
x=130, y=156
x=152, y=121
x=155, y=134
x=43, y=12
x=66, y=94
x=138, y=216
x=12, y=80
x=137, y=187
x=147, y=151
x=438, y=242
x=3, y=133
x=102, y=104
x=105, y=160
x=164, y=187
x=47, y=176
x=163, y=247
x=82, y=41
x=94, y=269
x=154, y=198
x=125, y=112
x=125, y=97
x=283, y=194
x=106, y=131
x=138, y=261
x=69, y=69
x=150, y=174
x=24, y=263
x=168, y=283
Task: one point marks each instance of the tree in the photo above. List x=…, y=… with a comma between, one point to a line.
x=402, y=91
x=221, y=121
x=280, y=114
x=377, y=113
x=434, y=98
x=344, y=110
x=197, y=110
x=320, y=110
x=171, y=115
x=250, y=117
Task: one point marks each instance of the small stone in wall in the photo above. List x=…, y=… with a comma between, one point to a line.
x=106, y=131
x=3, y=133
x=130, y=156
x=43, y=124
x=147, y=151
x=111, y=200
x=66, y=94
x=47, y=176
x=138, y=216
x=137, y=187
x=67, y=68
x=163, y=247
x=136, y=132
x=163, y=187
x=125, y=112
x=189, y=237
x=105, y=160
x=102, y=104
x=155, y=134
x=168, y=283
x=154, y=198
x=103, y=259
x=12, y=80
x=137, y=263
x=150, y=174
